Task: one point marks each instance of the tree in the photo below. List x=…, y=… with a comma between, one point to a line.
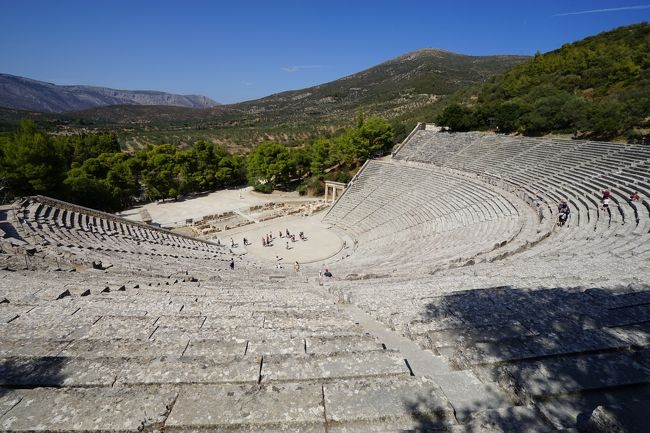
x=269, y=166
x=379, y=134
x=160, y=174
x=457, y=118
x=32, y=163
x=106, y=182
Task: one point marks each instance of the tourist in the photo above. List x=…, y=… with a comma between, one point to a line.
x=635, y=196
x=232, y=263
x=296, y=266
x=564, y=211
x=605, y=194
x=288, y=233
x=263, y=241
x=327, y=273
x=232, y=243
x=606, y=203
x=287, y=244
x=280, y=233
x=245, y=241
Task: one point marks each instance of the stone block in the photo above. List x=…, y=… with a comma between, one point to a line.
x=335, y=366
x=135, y=328
x=275, y=407
x=189, y=371
x=92, y=348
x=31, y=347
x=182, y=322
x=92, y=409
x=276, y=346
x=57, y=371
x=520, y=419
x=212, y=348
x=343, y=343
x=383, y=404
x=545, y=378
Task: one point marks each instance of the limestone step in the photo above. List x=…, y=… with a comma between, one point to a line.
x=58, y=371
x=546, y=378
x=324, y=367
x=85, y=410
x=272, y=407
x=189, y=371
x=386, y=405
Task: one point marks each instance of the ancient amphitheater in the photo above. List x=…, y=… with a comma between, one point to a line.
x=459, y=305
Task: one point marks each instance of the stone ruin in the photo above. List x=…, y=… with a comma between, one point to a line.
x=460, y=306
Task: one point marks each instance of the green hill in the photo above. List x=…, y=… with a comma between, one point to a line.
x=596, y=88
x=390, y=90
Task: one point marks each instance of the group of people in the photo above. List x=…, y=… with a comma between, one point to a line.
x=564, y=211
x=267, y=240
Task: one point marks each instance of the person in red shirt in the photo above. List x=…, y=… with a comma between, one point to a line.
x=635, y=196
x=605, y=193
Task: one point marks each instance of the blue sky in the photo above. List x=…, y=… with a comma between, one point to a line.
x=239, y=50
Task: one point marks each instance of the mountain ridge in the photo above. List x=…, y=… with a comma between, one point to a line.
x=390, y=89
x=23, y=93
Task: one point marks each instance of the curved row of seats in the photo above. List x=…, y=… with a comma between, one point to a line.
x=90, y=236
x=559, y=324
x=398, y=212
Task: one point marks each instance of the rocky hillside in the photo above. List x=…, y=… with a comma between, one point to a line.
x=32, y=95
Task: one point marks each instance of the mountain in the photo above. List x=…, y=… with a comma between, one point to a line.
x=598, y=88
x=388, y=89
x=32, y=95
x=391, y=90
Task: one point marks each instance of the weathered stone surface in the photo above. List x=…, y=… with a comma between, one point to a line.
x=190, y=371
x=549, y=377
x=574, y=410
x=216, y=348
x=33, y=347
x=187, y=322
x=260, y=408
x=92, y=409
x=276, y=346
x=520, y=419
x=370, y=405
x=344, y=343
x=335, y=366
x=231, y=322
x=57, y=371
x=469, y=336
x=9, y=399
x=631, y=417
x=308, y=324
x=92, y=348
x=137, y=328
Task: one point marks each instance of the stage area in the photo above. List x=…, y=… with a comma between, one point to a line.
x=320, y=242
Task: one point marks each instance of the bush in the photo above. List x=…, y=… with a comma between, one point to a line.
x=265, y=188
